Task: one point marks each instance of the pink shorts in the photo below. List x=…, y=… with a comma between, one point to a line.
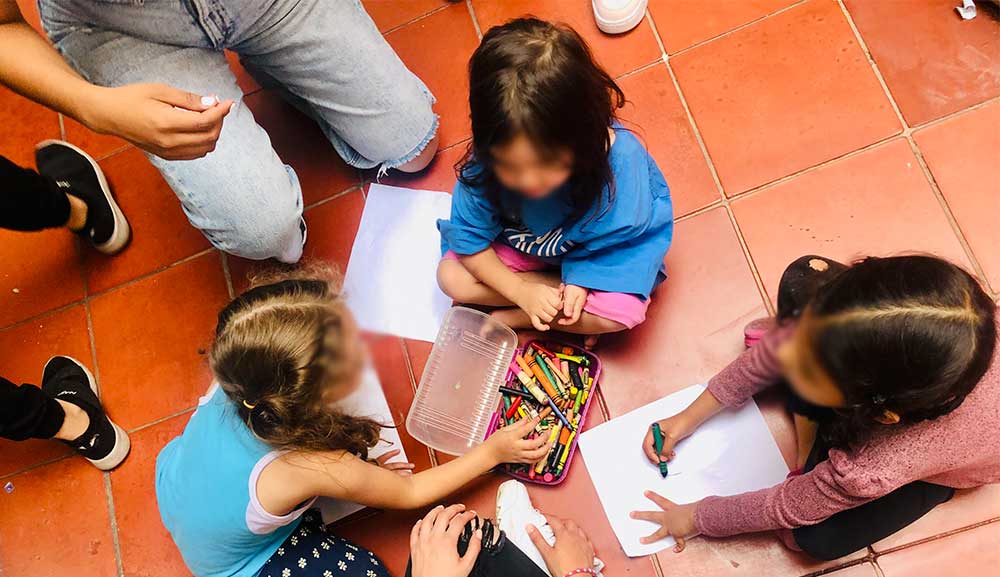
x=623, y=308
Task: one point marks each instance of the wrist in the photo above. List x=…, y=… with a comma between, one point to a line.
x=87, y=107
x=581, y=571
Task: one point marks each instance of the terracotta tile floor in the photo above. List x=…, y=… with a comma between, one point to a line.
x=836, y=127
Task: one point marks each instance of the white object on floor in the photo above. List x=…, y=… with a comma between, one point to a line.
x=515, y=512
x=967, y=10
x=731, y=453
x=618, y=16
x=391, y=281
x=367, y=401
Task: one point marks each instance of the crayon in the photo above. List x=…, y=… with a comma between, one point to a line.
x=578, y=402
x=559, y=414
x=506, y=403
x=572, y=358
x=658, y=445
x=539, y=373
x=549, y=377
x=565, y=371
x=565, y=455
x=553, y=435
x=557, y=378
x=577, y=379
x=512, y=409
x=538, y=347
x=522, y=363
x=515, y=392
x=567, y=350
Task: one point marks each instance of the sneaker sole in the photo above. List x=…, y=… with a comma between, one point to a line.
x=121, y=233
x=122, y=442
x=621, y=25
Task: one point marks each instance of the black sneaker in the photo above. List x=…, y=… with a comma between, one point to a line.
x=78, y=173
x=104, y=443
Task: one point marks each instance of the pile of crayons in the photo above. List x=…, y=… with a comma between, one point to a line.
x=554, y=386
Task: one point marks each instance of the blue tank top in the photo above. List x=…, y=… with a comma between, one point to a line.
x=203, y=489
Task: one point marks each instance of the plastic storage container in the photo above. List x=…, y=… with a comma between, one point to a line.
x=512, y=381
x=453, y=408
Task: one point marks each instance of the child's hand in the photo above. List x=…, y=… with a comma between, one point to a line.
x=403, y=469
x=541, y=302
x=572, y=550
x=574, y=298
x=675, y=520
x=509, y=445
x=674, y=429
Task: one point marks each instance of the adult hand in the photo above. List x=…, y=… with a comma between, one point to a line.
x=574, y=297
x=162, y=120
x=541, y=302
x=400, y=468
x=675, y=520
x=572, y=550
x=434, y=543
x=509, y=444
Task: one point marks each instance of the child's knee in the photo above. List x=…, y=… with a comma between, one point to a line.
x=454, y=280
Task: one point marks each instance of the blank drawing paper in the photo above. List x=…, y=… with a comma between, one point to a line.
x=731, y=453
x=391, y=280
x=367, y=401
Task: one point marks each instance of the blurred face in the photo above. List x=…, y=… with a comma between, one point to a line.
x=520, y=166
x=356, y=355
x=803, y=371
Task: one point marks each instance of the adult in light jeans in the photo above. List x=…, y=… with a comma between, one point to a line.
x=147, y=64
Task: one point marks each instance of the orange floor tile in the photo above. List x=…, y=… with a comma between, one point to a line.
x=839, y=127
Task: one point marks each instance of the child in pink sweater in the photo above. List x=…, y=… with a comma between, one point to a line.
x=895, y=390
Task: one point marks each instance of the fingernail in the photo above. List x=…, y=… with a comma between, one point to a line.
x=209, y=101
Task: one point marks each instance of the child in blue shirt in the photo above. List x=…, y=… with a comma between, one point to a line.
x=560, y=215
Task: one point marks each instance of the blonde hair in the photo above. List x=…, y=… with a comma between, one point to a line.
x=279, y=347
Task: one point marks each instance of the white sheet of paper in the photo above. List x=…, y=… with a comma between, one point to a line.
x=730, y=453
x=367, y=401
x=391, y=281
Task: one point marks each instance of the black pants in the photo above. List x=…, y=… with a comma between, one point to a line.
x=28, y=200
x=856, y=528
x=509, y=561
x=26, y=412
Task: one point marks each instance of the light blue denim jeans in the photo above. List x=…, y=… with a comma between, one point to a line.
x=326, y=56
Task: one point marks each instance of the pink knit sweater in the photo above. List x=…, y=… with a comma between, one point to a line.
x=960, y=449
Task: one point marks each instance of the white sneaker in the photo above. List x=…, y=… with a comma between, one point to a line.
x=618, y=16
x=515, y=512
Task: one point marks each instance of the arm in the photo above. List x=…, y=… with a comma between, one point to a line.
x=541, y=302
x=753, y=371
x=145, y=114
x=296, y=476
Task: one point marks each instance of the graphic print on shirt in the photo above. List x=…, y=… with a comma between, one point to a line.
x=550, y=244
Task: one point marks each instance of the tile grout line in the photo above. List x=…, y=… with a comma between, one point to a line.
x=723, y=200
x=738, y=28
x=227, y=274
x=344, y=192
x=41, y=315
x=153, y=273
x=877, y=568
x=30, y=468
x=937, y=537
x=159, y=420
x=908, y=135
x=475, y=21
x=845, y=565
x=114, y=524
x=114, y=152
x=62, y=126
x=417, y=19
x=413, y=385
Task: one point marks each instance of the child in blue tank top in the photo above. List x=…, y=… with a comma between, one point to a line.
x=234, y=489
x=560, y=216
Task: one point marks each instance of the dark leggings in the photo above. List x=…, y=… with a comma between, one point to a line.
x=27, y=412
x=856, y=528
x=310, y=551
x=30, y=201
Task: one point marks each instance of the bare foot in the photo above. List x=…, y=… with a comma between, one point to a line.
x=590, y=341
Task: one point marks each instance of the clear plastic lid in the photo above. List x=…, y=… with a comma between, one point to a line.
x=460, y=387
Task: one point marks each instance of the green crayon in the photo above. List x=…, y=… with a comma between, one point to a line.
x=658, y=445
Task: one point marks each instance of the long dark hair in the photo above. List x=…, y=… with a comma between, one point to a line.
x=909, y=334
x=540, y=79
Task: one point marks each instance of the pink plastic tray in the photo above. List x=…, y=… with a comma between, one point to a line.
x=595, y=369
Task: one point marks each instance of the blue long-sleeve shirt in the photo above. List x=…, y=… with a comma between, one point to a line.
x=621, y=249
